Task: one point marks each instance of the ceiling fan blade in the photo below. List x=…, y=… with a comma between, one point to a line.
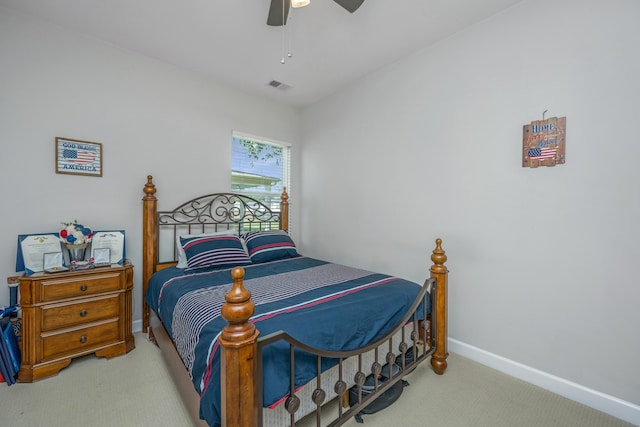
x=275, y=12
x=350, y=5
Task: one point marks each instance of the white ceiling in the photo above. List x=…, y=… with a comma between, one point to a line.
x=230, y=40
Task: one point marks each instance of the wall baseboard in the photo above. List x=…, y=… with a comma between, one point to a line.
x=611, y=405
x=136, y=326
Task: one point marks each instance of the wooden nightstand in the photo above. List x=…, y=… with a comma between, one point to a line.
x=70, y=314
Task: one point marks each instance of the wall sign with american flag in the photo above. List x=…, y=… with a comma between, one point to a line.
x=78, y=157
x=544, y=142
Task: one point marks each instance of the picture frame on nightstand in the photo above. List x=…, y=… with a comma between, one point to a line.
x=53, y=262
x=31, y=250
x=114, y=240
x=101, y=257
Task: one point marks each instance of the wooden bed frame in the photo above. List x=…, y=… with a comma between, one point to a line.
x=239, y=338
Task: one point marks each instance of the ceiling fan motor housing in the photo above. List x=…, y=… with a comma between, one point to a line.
x=279, y=10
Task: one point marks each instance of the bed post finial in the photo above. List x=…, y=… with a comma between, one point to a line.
x=149, y=188
x=237, y=310
x=238, y=363
x=441, y=273
x=438, y=256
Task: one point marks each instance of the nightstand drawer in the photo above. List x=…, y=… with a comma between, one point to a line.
x=89, y=310
x=78, y=286
x=78, y=340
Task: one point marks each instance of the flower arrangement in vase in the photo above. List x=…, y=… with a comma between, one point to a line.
x=75, y=237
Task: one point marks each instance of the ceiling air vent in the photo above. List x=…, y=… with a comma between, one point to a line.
x=279, y=85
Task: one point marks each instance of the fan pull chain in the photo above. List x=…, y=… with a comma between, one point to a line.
x=289, y=54
x=282, y=61
x=284, y=36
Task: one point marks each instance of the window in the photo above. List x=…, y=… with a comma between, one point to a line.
x=259, y=168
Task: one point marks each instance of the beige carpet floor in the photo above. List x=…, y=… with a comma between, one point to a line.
x=136, y=390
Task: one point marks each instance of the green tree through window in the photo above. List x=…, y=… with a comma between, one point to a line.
x=259, y=169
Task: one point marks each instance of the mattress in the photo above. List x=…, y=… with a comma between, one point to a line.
x=324, y=305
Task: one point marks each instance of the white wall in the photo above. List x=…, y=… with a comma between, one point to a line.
x=151, y=117
x=543, y=261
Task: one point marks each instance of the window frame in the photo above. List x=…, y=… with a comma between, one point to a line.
x=273, y=197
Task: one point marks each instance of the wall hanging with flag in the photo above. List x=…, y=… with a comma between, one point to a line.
x=78, y=157
x=544, y=142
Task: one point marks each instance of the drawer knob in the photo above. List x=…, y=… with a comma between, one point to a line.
x=83, y=313
x=83, y=287
x=83, y=339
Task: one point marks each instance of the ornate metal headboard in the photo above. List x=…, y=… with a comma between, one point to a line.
x=213, y=213
x=205, y=214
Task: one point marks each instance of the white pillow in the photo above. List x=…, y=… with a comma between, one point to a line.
x=182, y=257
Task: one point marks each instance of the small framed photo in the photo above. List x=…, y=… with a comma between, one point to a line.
x=53, y=262
x=101, y=256
x=77, y=157
x=112, y=240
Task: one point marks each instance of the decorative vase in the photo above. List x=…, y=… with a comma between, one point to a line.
x=76, y=252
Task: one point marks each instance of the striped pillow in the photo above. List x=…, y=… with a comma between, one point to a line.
x=266, y=246
x=214, y=251
x=182, y=257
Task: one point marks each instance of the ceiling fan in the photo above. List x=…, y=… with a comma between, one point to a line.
x=278, y=16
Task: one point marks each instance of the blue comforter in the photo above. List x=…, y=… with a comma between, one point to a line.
x=325, y=305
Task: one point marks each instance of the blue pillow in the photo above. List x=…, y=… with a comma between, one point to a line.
x=266, y=246
x=214, y=251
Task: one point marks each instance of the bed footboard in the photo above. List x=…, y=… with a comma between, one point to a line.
x=241, y=380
